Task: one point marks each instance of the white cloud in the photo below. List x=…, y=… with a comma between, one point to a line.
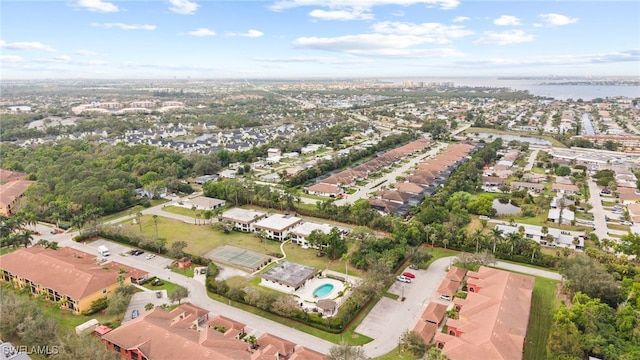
x=125, y=26
x=183, y=7
x=314, y=59
x=398, y=13
x=342, y=15
x=461, y=19
x=84, y=52
x=26, y=45
x=359, y=4
x=253, y=34
x=61, y=58
x=97, y=6
x=438, y=32
x=505, y=38
x=11, y=59
x=560, y=60
x=507, y=20
x=557, y=19
x=202, y=32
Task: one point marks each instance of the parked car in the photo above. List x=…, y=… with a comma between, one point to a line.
x=403, y=279
x=409, y=275
x=134, y=314
x=414, y=267
x=628, y=223
x=158, y=294
x=138, y=252
x=150, y=256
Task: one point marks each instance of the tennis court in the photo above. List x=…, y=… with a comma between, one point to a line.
x=238, y=257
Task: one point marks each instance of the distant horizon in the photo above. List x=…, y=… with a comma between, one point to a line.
x=351, y=78
x=292, y=39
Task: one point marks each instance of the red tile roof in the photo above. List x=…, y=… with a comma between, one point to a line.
x=493, y=321
x=434, y=312
x=68, y=271
x=160, y=334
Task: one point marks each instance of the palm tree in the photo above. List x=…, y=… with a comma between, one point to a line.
x=155, y=223
x=496, y=235
x=477, y=237
x=138, y=219
x=514, y=239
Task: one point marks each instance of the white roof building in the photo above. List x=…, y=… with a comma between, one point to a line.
x=277, y=226
x=534, y=232
x=243, y=220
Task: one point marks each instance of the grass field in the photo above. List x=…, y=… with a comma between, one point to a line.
x=166, y=285
x=179, y=210
x=396, y=354
x=543, y=305
x=203, y=238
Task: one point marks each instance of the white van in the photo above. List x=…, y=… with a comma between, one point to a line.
x=103, y=250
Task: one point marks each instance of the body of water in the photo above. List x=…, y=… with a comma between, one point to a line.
x=536, y=87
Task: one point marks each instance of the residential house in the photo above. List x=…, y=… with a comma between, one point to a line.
x=323, y=189
x=492, y=321
x=204, y=178
x=277, y=226
x=520, y=185
x=243, y=220
x=558, y=238
x=561, y=216
x=70, y=277
x=565, y=188
x=203, y=203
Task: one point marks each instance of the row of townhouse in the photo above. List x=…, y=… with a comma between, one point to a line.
x=334, y=185
x=422, y=181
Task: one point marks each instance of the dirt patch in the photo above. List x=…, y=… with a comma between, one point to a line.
x=561, y=296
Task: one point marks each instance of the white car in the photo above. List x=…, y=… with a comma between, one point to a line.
x=628, y=223
x=403, y=279
x=150, y=256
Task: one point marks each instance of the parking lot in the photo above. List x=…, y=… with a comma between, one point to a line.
x=117, y=249
x=141, y=299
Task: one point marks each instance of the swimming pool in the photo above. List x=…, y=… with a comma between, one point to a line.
x=322, y=290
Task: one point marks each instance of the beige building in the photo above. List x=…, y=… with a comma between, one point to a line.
x=70, y=277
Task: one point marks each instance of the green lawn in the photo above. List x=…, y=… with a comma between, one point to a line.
x=166, y=285
x=396, y=354
x=131, y=211
x=543, y=305
x=179, y=210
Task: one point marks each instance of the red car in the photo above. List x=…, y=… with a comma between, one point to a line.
x=409, y=275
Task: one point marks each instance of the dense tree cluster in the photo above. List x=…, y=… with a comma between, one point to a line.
x=25, y=320
x=603, y=318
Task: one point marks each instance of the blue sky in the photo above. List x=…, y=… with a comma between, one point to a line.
x=317, y=38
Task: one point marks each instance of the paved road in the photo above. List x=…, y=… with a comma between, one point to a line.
x=532, y=160
x=528, y=270
x=390, y=178
x=390, y=318
x=385, y=323
x=598, y=211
